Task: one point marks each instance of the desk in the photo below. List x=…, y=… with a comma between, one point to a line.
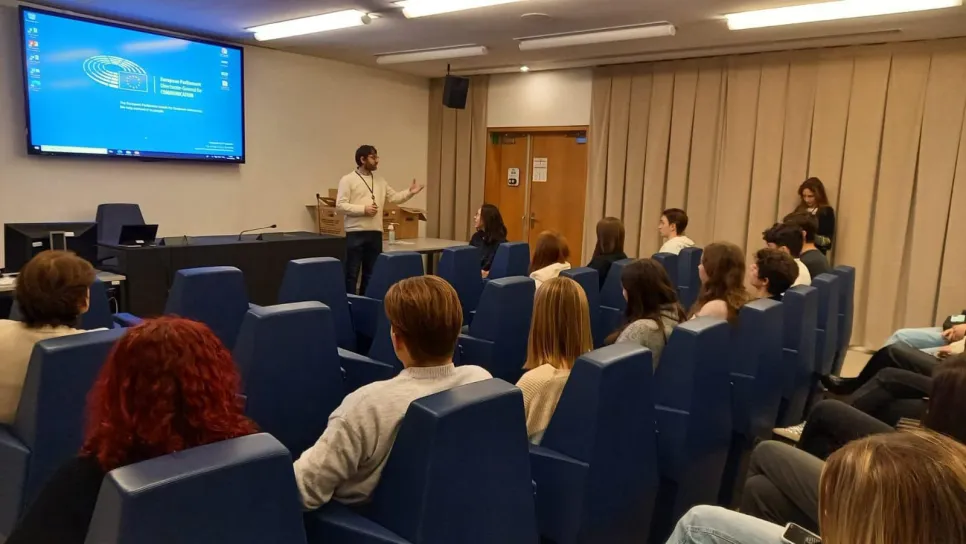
x=150, y=270
x=110, y=278
x=424, y=246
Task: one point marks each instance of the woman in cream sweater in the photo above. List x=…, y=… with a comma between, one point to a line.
x=559, y=334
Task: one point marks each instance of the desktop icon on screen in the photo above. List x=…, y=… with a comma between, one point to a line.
x=33, y=58
x=224, y=83
x=35, y=84
x=35, y=72
x=33, y=44
x=33, y=30
x=31, y=16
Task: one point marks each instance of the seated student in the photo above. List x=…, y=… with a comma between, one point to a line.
x=772, y=273
x=549, y=258
x=931, y=339
x=559, y=334
x=610, y=247
x=789, y=239
x=490, y=233
x=652, y=310
x=168, y=385
x=899, y=356
x=53, y=290
x=782, y=481
x=347, y=461
x=812, y=257
x=722, y=273
x=673, y=223
x=876, y=490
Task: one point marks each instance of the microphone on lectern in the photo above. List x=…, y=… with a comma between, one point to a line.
x=255, y=230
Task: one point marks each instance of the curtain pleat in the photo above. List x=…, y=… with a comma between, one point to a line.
x=656, y=162
x=637, y=134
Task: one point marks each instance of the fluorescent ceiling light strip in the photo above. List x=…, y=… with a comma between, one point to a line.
x=830, y=11
x=432, y=54
x=310, y=25
x=424, y=8
x=602, y=36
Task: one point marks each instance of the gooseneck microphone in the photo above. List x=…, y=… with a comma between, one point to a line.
x=255, y=230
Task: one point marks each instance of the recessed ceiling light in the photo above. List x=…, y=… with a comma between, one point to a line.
x=310, y=25
x=604, y=35
x=524, y=69
x=424, y=8
x=830, y=11
x=432, y=54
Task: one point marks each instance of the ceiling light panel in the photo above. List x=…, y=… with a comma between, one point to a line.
x=462, y=51
x=830, y=11
x=425, y=8
x=653, y=30
x=311, y=25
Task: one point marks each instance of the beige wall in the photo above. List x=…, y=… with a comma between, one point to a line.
x=540, y=99
x=305, y=118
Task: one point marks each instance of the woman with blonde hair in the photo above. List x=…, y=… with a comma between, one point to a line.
x=550, y=257
x=722, y=273
x=559, y=334
x=895, y=488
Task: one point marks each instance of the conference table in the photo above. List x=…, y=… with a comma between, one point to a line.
x=150, y=270
x=424, y=246
x=8, y=284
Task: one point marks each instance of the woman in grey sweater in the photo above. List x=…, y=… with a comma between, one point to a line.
x=653, y=309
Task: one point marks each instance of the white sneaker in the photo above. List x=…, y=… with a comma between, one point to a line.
x=793, y=433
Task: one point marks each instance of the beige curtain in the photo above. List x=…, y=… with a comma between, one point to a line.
x=457, y=161
x=731, y=138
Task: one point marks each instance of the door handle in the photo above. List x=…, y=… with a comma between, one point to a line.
x=533, y=219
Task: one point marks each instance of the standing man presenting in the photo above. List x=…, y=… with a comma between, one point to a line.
x=361, y=198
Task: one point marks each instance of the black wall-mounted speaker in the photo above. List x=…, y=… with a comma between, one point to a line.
x=454, y=92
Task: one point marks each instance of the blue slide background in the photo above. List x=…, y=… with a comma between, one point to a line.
x=68, y=108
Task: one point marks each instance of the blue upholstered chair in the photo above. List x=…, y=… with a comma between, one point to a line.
x=241, y=491
x=48, y=428
x=498, y=336
x=596, y=468
x=459, y=472
x=460, y=266
x=588, y=279
x=292, y=380
x=98, y=316
x=612, y=303
x=321, y=279
x=758, y=379
x=390, y=269
x=689, y=283
x=800, y=309
x=511, y=259
x=826, y=333
x=110, y=218
x=670, y=263
x=693, y=414
x=846, y=276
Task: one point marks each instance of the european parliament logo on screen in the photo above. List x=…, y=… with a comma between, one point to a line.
x=97, y=88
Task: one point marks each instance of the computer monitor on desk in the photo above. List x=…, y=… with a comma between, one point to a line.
x=22, y=241
x=138, y=235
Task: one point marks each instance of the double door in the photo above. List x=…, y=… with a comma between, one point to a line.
x=538, y=179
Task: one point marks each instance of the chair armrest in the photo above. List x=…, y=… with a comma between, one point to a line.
x=360, y=370
x=672, y=434
x=14, y=460
x=560, y=482
x=610, y=319
x=127, y=320
x=475, y=351
x=335, y=523
x=365, y=314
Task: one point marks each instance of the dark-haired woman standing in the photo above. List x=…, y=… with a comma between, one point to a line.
x=490, y=233
x=815, y=201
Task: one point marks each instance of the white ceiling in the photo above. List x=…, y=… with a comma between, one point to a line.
x=701, y=30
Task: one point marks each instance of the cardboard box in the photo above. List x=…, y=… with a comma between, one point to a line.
x=331, y=221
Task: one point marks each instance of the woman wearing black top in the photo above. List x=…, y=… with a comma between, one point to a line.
x=815, y=201
x=490, y=233
x=610, y=246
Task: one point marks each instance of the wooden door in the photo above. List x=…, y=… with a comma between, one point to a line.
x=506, y=151
x=558, y=202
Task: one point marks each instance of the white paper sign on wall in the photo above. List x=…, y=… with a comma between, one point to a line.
x=513, y=177
x=540, y=169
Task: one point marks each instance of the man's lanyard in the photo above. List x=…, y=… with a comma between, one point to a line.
x=371, y=189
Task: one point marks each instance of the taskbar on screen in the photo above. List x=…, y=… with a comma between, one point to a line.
x=210, y=156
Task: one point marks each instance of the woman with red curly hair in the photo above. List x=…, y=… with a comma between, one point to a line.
x=168, y=385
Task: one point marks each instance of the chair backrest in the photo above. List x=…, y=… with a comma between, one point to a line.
x=511, y=259
x=612, y=294
x=689, y=283
x=110, y=218
x=800, y=312
x=460, y=470
x=99, y=315
x=846, y=276
x=50, y=416
x=757, y=353
x=241, y=490
x=460, y=266
x=215, y=296
x=826, y=335
x=321, y=279
x=291, y=373
x=503, y=317
x=391, y=268
x=588, y=278
x=605, y=418
x=670, y=262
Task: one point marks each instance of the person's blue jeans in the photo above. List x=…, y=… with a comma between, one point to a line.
x=928, y=339
x=716, y=525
